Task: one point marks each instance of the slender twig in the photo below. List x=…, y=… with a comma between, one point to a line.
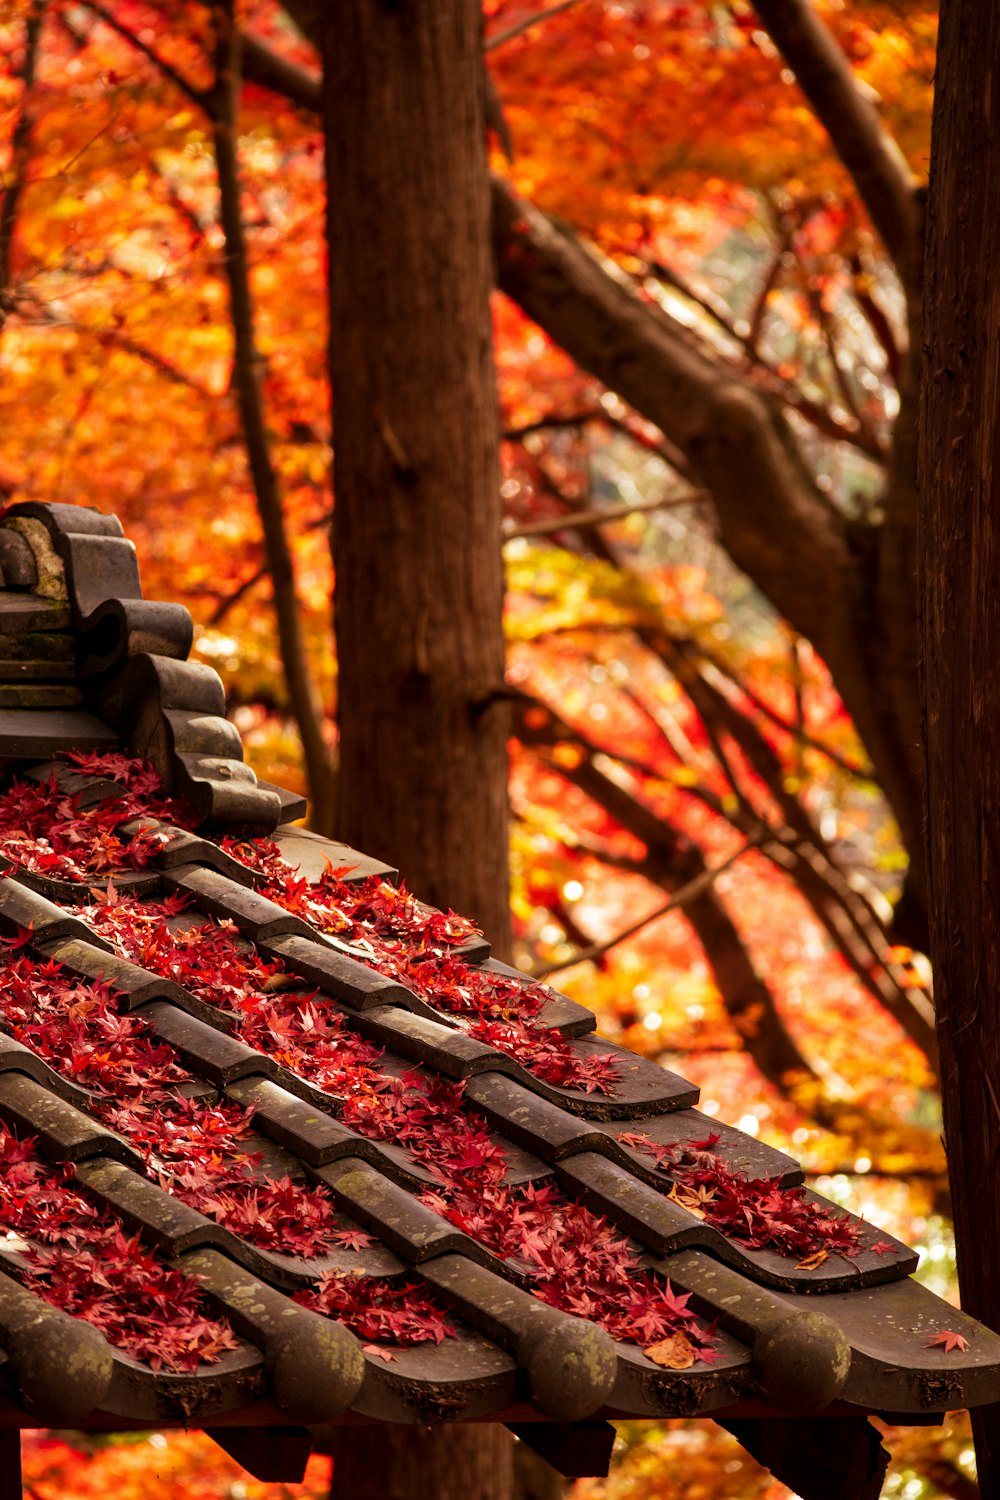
x=493, y=42
x=201, y=97
x=246, y=366
x=770, y=379
x=582, y=520
x=877, y=318
x=554, y=420
x=683, y=897
x=225, y=604
x=759, y=309
x=20, y=141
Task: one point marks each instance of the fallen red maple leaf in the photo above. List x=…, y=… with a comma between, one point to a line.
x=948, y=1341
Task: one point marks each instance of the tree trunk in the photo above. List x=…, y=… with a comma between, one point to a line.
x=419, y=583
x=455, y=1463
x=960, y=567
x=307, y=710
x=416, y=472
x=434, y=1463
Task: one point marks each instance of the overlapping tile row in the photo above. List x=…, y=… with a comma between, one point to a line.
x=512, y=1351
x=76, y=635
x=87, y=664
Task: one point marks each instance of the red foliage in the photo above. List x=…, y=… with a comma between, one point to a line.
x=46, y=831
x=378, y=1311
x=82, y=1261
x=387, y=928
x=757, y=1211
x=575, y=1262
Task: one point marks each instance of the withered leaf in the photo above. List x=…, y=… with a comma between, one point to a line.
x=676, y=1352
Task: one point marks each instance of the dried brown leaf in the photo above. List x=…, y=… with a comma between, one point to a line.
x=676, y=1352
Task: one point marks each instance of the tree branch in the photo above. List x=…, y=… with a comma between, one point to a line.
x=493, y=42
x=305, y=704
x=673, y=862
x=681, y=898
x=877, y=166
x=201, y=97
x=771, y=380
x=267, y=69
x=19, y=152
x=582, y=520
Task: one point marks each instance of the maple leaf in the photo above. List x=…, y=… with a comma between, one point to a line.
x=948, y=1341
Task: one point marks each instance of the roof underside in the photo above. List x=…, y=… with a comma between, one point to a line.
x=389, y=1178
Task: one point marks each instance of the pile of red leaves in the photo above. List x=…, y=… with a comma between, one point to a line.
x=572, y=1259
x=301, y=1032
x=378, y=1311
x=81, y=1260
x=45, y=830
x=194, y=1148
x=575, y=1262
x=386, y=927
x=758, y=1212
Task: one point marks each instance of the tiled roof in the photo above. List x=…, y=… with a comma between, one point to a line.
x=280, y=1145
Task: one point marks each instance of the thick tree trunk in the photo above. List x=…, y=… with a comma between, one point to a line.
x=417, y=526
x=960, y=569
x=419, y=583
x=434, y=1463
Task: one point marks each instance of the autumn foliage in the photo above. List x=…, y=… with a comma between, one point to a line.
x=668, y=719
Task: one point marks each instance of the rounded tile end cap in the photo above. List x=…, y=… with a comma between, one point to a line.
x=316, y=1372
x=62, y=1368
x=802, y=1362
x=572, y=1368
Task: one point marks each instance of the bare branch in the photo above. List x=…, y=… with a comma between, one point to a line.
x=681, y=898
x=20, y=145
x=582, y=520
x=859, y=436
x=554, y=420
x=264, y=67
x=201, y=97
x=225, y=604
x=878, y=321
x=493, y=42
x=672, y=862
x=246, y=364
x=881, y=175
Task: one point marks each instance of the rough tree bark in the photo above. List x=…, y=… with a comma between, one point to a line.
x=418, y=1463
x=416, y=471
x=419, y=585
x=960, y=568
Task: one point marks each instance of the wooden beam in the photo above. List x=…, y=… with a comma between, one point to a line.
x=10, y=1465
x=277, y=1455
x=576, y=1450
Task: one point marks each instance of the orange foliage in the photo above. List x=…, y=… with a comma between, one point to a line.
x=157, y=1466
x=665, y=132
